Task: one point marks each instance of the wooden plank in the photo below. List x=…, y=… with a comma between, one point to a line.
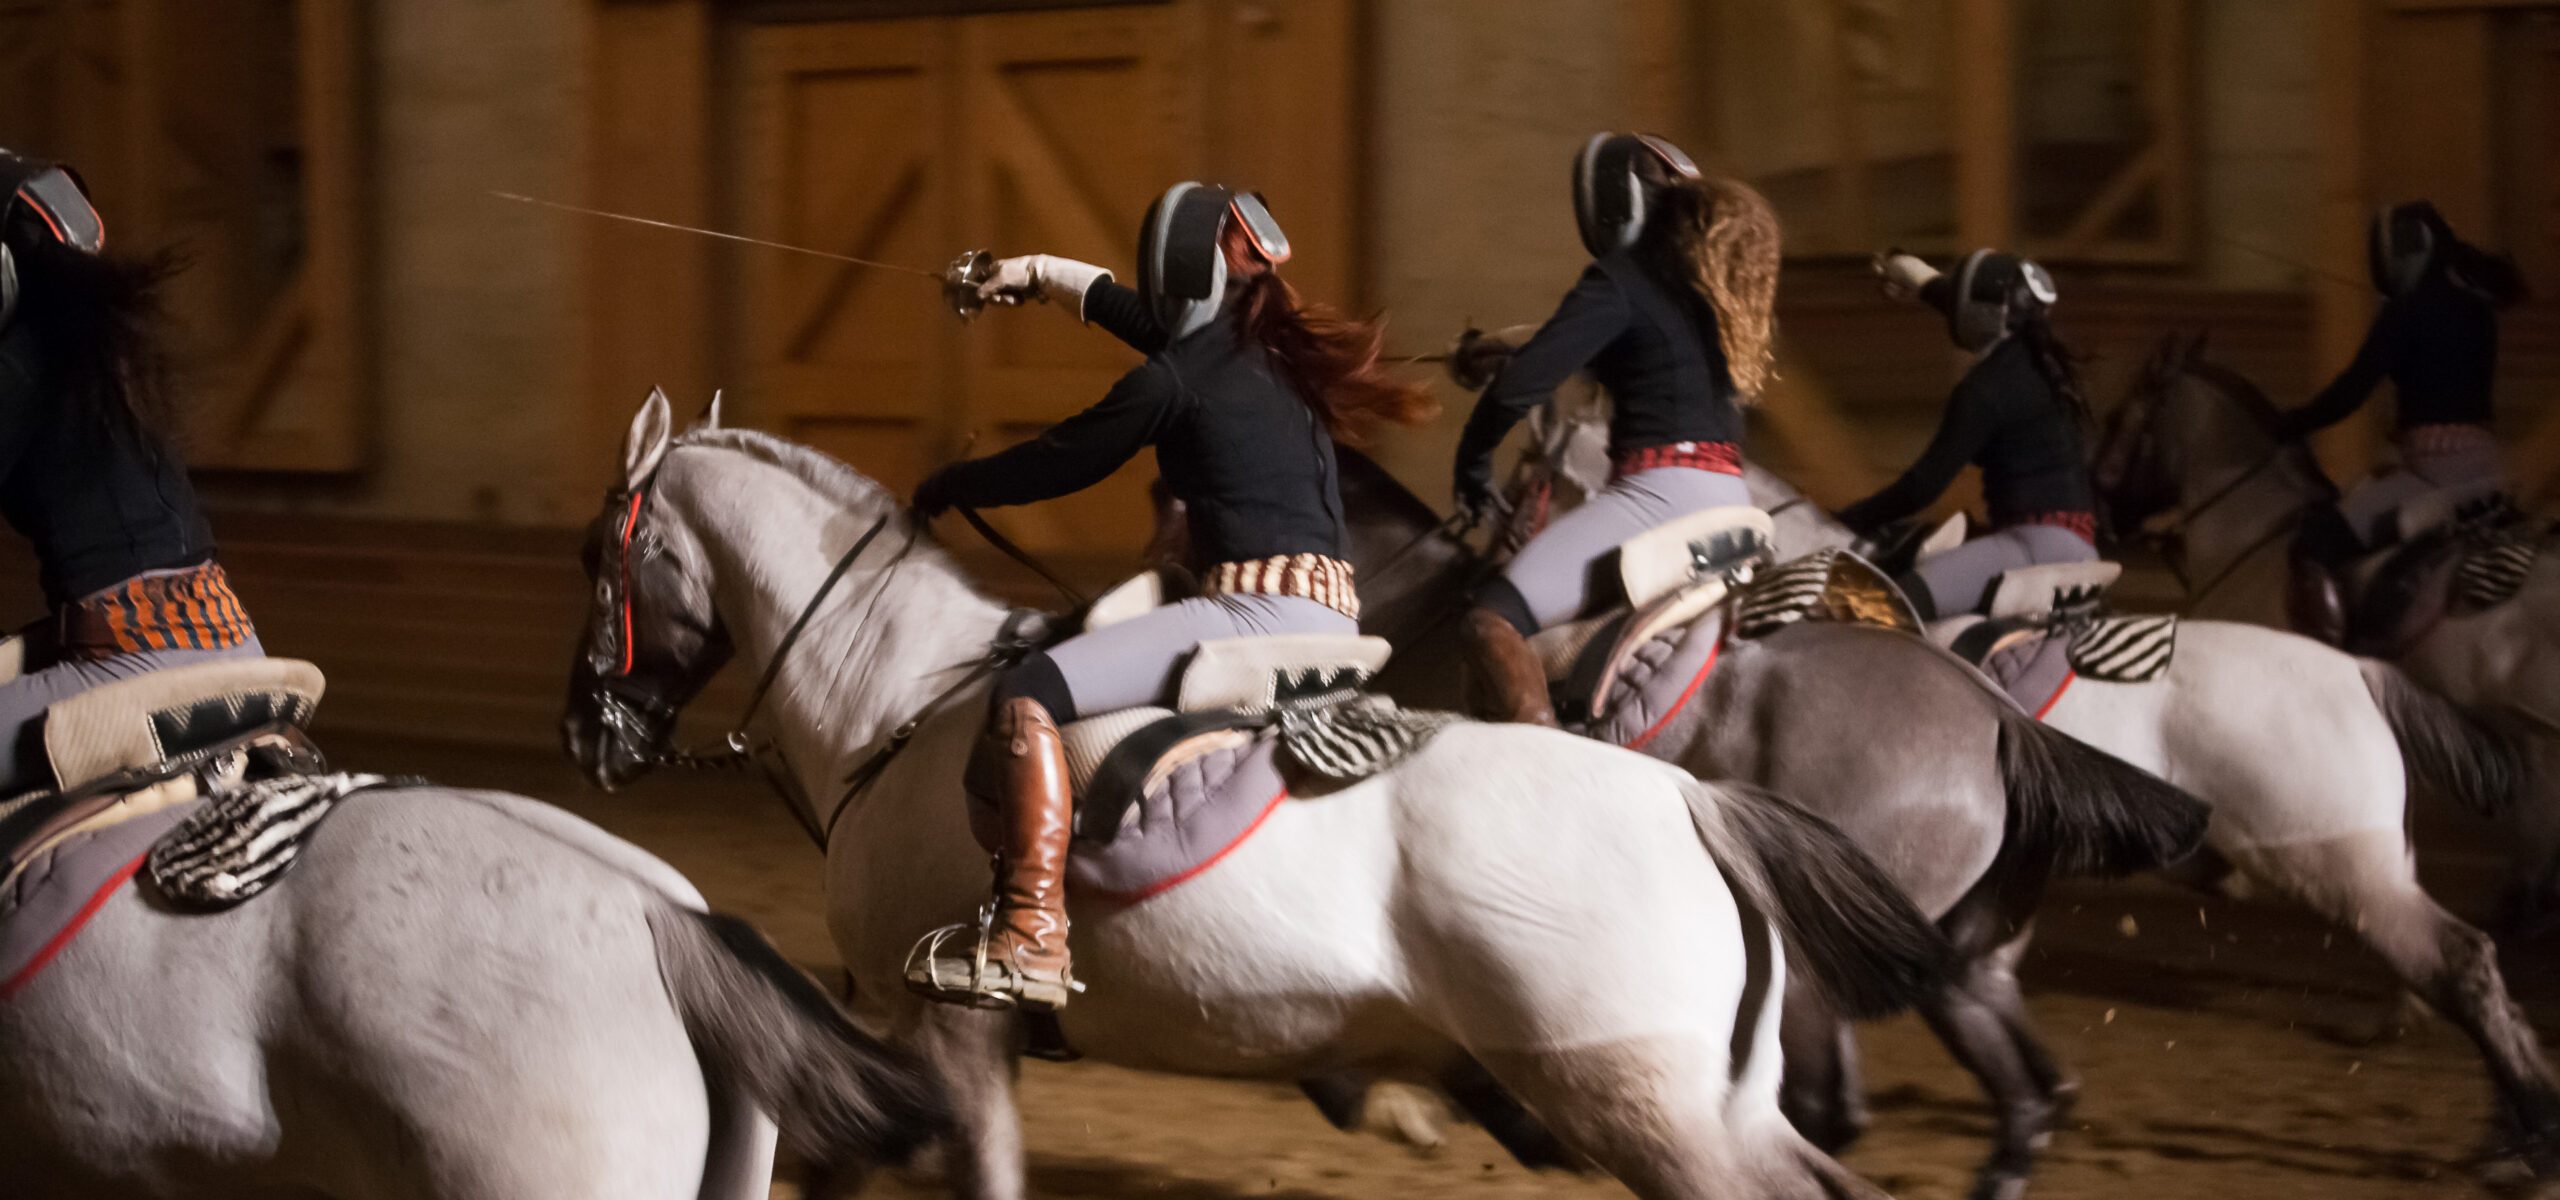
x=334, y=390
x=1983, y=106
x=2339, y=215
x=649, y=151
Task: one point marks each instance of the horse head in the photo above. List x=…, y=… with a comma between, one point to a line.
x=2135, y=472
x=653, y=637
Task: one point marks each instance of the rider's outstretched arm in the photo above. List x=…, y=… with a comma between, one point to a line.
x=2355, y=385
x=1592, y=315
x=1961, y=435
x=1068, y=457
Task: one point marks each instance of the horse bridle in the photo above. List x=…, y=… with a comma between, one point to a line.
x=739, y=749
x=2175, y=535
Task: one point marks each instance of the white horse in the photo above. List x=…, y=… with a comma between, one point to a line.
x=1597, y=929
x=2307, y=755
x=454, y=996
x=2195, y=440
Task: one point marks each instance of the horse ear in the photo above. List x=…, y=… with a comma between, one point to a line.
x=651, y=429
x=710, y=418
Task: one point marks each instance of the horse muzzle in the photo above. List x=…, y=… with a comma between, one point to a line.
x=612, y=738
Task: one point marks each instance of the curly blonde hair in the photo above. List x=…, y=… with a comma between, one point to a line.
x=1725, y=236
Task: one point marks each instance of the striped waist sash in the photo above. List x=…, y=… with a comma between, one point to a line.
x=2084, y=524
x=1724, y=458
x=1325, y=580
x=193, y=609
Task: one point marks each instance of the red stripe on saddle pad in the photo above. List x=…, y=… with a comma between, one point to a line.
x=1713, y=653
x=2058, y=690
x=79, y=920
x=1171, y=882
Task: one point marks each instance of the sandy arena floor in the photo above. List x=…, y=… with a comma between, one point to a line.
x=2217, y=1044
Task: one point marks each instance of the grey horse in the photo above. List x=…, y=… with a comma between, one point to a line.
x=455, y=995
x=1969, y=805
x=2192, y=444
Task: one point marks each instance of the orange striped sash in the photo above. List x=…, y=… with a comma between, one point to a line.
x=193, y=609
x=1327, y=581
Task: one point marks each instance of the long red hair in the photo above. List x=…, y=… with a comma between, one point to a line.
x=1332, y=360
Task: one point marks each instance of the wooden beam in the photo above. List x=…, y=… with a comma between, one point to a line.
x=2341, y=208
x=336, y=367
x=648, y=298
x=1983, y=97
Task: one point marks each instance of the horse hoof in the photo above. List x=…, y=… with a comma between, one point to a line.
x=2062, y=1099
x=1403, y=1113
x=2000, y=1185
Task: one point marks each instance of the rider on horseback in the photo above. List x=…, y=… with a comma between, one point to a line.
x=2436, y=339
x=1242, y=394
x=2018, y=413
x=1673, y=319
x=124, y=554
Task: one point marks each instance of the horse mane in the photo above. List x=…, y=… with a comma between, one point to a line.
x=824, y=473
x=2240, y=388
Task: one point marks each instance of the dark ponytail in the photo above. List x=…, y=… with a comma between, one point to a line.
x=98, y=321
x=2059, y=366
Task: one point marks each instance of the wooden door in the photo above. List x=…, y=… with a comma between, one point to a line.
x=258, y=192
x=906, y=141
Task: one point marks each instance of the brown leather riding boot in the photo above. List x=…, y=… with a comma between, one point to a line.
x=1505, y=681
x=1016, y=955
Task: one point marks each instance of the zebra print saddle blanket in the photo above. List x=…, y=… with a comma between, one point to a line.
x=205, y=841
x=1161, y=796
x=2034, y=661
x=1622, y=678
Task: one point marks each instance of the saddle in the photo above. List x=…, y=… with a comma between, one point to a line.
x=2443, y=563
x=130, y=762
x=2047, y=625
x=1622, y=675
x=1161, y=794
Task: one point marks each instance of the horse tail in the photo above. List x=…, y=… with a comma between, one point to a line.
x=2445, y=748
x=2079, y=810
x=1854, y=932
x=844, y=1100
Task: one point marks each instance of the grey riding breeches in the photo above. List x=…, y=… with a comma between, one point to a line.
x=2461, y=470
x=1960, y=580
x=1553, y=572
x=23, y=766
x=1139, y=661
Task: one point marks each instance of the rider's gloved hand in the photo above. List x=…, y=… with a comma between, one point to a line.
x=1902, y=275
x=1040, y=277
x=933, y=496
x=1475, y=493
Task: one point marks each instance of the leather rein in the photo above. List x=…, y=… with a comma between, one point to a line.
x=740, y=749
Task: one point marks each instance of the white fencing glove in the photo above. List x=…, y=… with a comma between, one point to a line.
x=1902, y=275
x=1040, y=277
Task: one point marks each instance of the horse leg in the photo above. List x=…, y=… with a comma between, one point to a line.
x=1997, y=985
x=1981, y=1019
x=1655, y=1114
x=2367, y=882
x=973, y=1051
x=1820, y=1093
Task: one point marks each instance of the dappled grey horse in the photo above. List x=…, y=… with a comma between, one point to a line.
x=455, y=995
x=2193, y=445
x=1967, y=803
x=1594, y=928
x=2308, y=756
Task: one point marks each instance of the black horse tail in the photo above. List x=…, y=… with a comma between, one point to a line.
x=844, y=1099
x=2079, y=810
x=1845, y=924
x=2446, y=750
